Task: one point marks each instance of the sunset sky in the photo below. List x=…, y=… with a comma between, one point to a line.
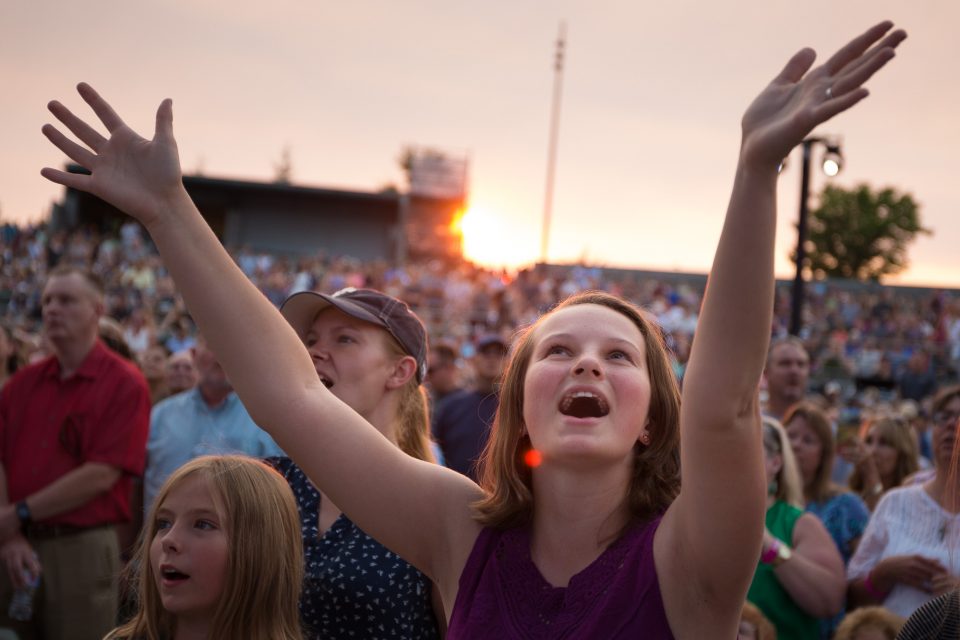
x=652, y=98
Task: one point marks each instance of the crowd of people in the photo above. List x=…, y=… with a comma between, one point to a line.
x=270, y=461
x=866, y=343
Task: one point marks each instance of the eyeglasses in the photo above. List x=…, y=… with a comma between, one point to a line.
x=946, y=418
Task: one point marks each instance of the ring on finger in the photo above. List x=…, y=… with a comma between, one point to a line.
x=829, y=93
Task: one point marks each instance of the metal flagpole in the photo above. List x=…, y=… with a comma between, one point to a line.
x=552, y=147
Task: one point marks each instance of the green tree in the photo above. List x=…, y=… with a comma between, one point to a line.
x=861, y=234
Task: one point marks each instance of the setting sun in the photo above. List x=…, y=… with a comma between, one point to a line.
x=489, y=240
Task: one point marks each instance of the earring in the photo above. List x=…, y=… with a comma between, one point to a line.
x=645, y=439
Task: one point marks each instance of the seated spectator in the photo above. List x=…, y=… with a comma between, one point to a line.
x=153, y=363
x=842, y=513
x=139, y=331
x=883, y=459
x=869, y=623
x=443, y=374
x=181, y=372
x=209, y=419
x=461, y=423
x=112, y=335
x=908, y=553
x=800, y=574
x=939, y=619
x=918, y=380
x=181, y=334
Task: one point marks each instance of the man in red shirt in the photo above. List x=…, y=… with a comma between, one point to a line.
x=73, y=431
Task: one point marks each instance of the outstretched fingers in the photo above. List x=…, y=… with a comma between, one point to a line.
x=74, y=151
x=856, y=47
x=87, y=134
x=861, y=70
x=78, y=181
x=838, y=104
x=851, y=80
x=891, y=41
x=104, y=111
x=796, y=67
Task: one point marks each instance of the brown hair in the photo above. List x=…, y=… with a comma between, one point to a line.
x=413, y=416
x=866, y=617
x=111, y=333
x=507, y=480
x=265, y=559
x=902, y=438
x=944, y=396
x=822, y=486
x=940, y=402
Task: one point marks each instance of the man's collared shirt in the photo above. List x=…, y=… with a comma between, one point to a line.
x=50, y=426
x=183, y=427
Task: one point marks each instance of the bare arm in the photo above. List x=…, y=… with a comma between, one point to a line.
x=713, y=530
x=16, y=554
x=813, y=576
x=915, y=571
x=66, y=493
x=419, y=510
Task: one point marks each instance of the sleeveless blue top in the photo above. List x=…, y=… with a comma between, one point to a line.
x=354, y=587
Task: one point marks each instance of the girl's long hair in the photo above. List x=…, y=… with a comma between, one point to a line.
x=822, y=485
x=265, y=558
x=902, y=438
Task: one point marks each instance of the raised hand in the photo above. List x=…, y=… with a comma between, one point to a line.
x=799, y=99
x=135, y=175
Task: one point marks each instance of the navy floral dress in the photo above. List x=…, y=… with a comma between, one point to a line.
x=354, y=587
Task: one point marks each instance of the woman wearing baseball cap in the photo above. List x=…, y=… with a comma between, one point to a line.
x=369, y=350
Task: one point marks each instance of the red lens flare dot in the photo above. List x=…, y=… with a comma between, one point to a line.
x=533, y=458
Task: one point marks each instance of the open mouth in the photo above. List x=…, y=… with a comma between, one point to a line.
x=584, y=404
x=327, y=382
x=173, y=575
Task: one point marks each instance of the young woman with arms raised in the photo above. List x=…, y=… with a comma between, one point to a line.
x=604, y=548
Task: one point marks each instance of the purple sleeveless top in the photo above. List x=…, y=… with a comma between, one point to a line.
x=503, y=595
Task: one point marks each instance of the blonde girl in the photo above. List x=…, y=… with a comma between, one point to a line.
x=220, y=556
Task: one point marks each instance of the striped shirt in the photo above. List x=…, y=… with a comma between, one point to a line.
x=937, y=620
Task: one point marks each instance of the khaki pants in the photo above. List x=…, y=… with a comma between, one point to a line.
x=77, y=598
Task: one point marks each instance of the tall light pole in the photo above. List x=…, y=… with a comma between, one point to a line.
x=832, y=163
x=552, y=145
